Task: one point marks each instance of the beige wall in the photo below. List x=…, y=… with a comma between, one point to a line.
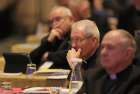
x=26, y=15
x=27, y=12
x=5, y=3
x=46, y=6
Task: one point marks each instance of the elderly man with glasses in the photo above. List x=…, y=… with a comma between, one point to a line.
x=60, y=21
x=85, y=41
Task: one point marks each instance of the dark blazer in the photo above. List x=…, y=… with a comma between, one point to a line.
x=89, y=71
x=127, y=82
x=47, y=46
x=59, y=59
x=89, y=68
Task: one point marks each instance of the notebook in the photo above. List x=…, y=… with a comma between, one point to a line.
x=15, y=62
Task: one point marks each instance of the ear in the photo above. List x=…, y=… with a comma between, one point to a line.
x=129, y=53
x=95, y=41
x=71, y=18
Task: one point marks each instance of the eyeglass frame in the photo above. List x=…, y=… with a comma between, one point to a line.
x=56, y=19
x=79, y=41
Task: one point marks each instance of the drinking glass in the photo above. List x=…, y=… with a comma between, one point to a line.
x=76, y=80
x=30, y=68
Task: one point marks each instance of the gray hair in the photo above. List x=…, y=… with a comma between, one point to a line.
x=129, y=39
x=88, y=27
x=64, y=10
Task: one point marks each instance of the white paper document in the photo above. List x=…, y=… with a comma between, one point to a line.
x=37, y=90
x=46, y=65
x=53, y=73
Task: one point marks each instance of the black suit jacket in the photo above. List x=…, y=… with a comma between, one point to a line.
x=59, y=59
x=46, y=46
x=127, y=82
x=89, y=68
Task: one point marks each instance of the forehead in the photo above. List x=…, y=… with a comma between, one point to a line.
x=78, y=32
x=64, y=1
x=84, y=4
x=56, y=12
x=112, y=38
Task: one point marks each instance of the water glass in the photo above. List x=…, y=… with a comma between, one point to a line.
x=76, y=80
x=31, y=68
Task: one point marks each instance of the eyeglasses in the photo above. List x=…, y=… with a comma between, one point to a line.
x=78, y=41
x=55, y=19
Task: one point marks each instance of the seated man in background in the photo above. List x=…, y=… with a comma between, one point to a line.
x=122, y=75
x=79, y=8
x=60, y=21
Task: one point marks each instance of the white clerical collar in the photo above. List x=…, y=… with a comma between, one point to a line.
x=113, y=76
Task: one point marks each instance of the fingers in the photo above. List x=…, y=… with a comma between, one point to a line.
x=72, y=54
x=78, y=53
x=57, y=33
x=54, y=34
x=69, y=54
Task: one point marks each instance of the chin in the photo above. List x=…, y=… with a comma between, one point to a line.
x=105, y=64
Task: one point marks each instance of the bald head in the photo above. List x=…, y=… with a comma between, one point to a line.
x=127, y=39
x=64, y=11
x=60, y=20
x=118, y=49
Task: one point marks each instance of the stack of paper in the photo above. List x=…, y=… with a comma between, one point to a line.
x=37, y=90
x=53, y=73
x=46, y=65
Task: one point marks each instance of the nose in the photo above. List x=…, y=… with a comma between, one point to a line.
x=55, y=24
x=103, y=52
x=74, y=45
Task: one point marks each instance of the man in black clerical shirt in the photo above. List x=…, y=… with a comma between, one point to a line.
x=60, y=21
x=121, y=75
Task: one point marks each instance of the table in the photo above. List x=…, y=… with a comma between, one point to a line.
x=25, y=81
x=33, y=39
x=2, y=63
